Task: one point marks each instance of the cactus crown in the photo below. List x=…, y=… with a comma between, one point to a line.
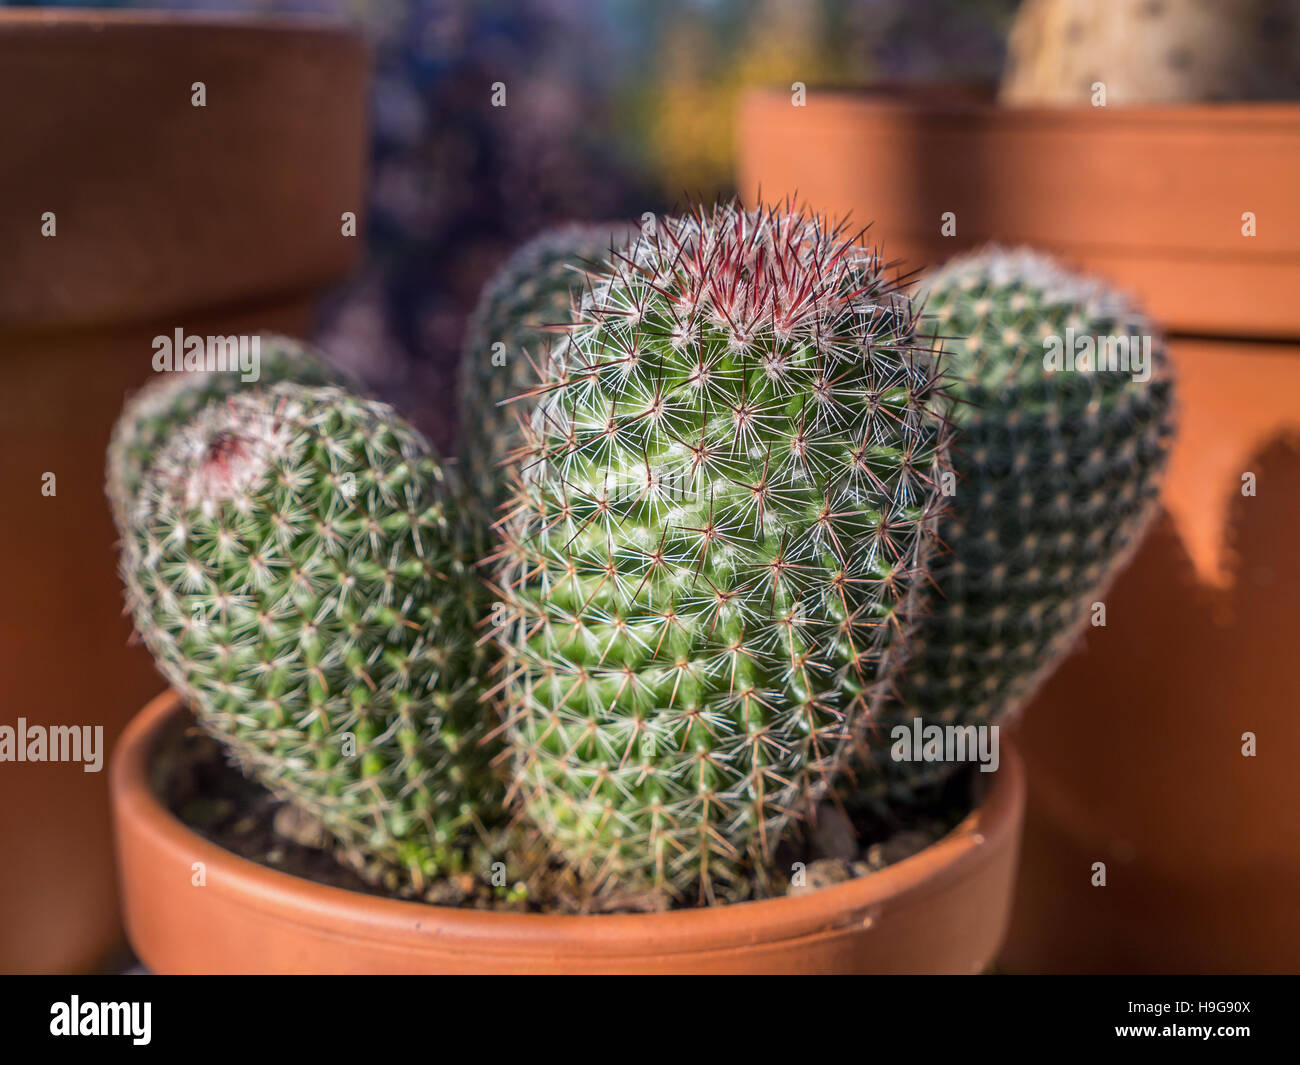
x=165, y=404
x=725, y=499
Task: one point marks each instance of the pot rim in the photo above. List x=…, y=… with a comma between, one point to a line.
x=964, y=102
x=355, y=915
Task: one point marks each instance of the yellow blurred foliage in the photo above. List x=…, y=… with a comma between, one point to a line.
x=696, y=91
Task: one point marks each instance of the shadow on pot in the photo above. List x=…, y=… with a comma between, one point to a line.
x=1139, y=757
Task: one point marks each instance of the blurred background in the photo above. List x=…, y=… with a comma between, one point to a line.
x=617, y=107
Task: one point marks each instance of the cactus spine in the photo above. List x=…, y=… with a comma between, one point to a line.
x=714, y=546
x=294, y=566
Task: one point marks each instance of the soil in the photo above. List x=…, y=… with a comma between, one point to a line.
x=198, y=785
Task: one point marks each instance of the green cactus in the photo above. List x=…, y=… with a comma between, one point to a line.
x=715, y=544
x=507, y=339
x=294, y=565
x=162, y=406
x=1057, y=475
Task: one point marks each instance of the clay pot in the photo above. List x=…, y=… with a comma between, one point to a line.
x=223, y=219
x=943, y=910
x=1150, y=197
x=1134, y=750
x=1135, y=746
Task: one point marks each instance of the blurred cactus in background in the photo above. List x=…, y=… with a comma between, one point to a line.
x=509, y=338
x=1058, y=470
x=1062, y=51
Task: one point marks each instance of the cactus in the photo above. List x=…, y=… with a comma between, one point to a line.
x=294, y=566
x=536, y=287
x=712, y=553
x=162, y=406
x=1143, y=52
x=1057, y=474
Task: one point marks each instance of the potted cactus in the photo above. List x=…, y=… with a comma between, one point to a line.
x=676, y=671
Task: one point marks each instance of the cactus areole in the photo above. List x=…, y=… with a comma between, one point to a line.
x=714, y=547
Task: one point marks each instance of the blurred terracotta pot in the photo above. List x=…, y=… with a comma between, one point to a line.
x=943, y=910
x=1136, y=746
x=1151, y=197
x=127, y=212
x=1134, y=750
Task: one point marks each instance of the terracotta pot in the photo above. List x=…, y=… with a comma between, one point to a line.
x=1134, y=749
x=217, y=220
x=943, y=910
x=1135, y=745
x=1151, y=197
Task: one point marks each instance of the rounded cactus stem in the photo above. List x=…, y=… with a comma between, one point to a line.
x=1063, y=409
x=715, y=544
x=296, y=566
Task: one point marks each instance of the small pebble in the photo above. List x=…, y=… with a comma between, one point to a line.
x=298, y=826
x=833, y=835
x=896, y=848
x=822, y=873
